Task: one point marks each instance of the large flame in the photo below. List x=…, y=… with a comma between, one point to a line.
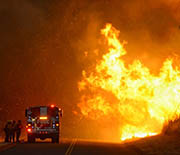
x=140, y=100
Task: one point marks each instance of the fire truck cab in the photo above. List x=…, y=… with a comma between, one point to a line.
x=43, y=122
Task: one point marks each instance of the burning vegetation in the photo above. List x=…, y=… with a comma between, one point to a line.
x=137, y=101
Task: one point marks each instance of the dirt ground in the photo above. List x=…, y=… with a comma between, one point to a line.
x=157, y=145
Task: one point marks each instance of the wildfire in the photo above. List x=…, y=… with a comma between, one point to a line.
x=140, y=101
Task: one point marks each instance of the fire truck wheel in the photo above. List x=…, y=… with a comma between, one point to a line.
x=31, y=139
x=55, y=139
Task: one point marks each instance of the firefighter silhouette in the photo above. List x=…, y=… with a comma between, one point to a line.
x=18, y=130
x=12, y=131
x=7, y=130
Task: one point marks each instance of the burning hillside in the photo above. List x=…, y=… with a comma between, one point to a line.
x=138, y=101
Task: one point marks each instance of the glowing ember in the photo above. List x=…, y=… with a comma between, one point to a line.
x=139, y=100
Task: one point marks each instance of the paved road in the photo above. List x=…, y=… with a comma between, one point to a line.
x=71, y=147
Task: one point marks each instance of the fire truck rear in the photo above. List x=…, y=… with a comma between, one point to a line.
x=43, y=122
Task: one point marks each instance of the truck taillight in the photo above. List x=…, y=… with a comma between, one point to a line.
x=28, y=125
x=52, y=105
x=29, y=130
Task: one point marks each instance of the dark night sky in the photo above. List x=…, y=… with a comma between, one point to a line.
x=42, y=44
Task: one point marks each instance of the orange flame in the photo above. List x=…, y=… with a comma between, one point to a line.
x=130, y=92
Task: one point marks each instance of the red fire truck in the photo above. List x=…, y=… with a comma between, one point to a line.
x=43, y=122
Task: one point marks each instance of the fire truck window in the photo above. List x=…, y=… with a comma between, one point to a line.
x=35, y=112
x=53, y=112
